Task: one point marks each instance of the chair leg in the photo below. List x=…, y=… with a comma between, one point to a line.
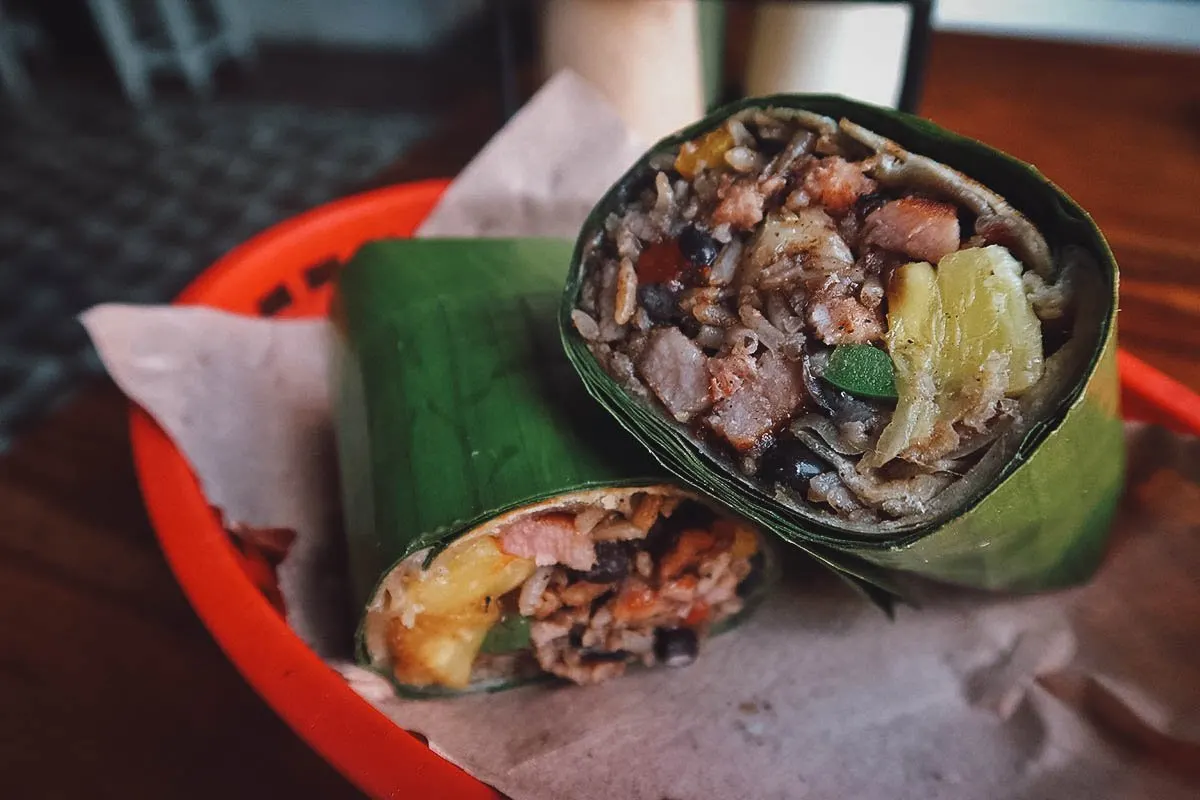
x=232, y=18
x=181, y=29
x=12, y=72
x=116, y=27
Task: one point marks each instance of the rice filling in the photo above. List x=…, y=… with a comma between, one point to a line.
x=849, y=325
x=580, y=589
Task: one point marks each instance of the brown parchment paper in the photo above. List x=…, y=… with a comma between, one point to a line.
x=1093, y=692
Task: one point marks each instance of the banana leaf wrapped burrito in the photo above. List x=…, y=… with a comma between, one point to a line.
x=501, y=526
x=889, y=344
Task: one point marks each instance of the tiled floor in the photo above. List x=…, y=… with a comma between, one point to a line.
x=100, y=204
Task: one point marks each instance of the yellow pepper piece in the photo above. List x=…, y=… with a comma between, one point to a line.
x=707, y=151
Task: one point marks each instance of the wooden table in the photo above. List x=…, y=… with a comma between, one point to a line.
x=109, y=685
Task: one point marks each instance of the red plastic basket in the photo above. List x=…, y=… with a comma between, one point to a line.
x=285, y=272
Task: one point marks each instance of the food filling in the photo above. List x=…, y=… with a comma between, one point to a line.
x=847, y=324
x=579, y=590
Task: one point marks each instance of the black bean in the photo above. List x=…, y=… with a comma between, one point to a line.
x=771, y=147
x=637, y=185
x=966, y=222
x=598, y=656
x=575, y=637
x=691, y=514
x=689, y=326
x=665, y=531
x=660, y=538
x=602, y=599
x=660, y=303
x=792, y=463
x=1055, y=334
x=868, y=203
x=676, y=647
x=698, y=247
x=613, y=562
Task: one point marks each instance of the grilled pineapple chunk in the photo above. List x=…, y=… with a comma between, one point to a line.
x=440, y=648
x=455, y=601
x=987, y=312
x=946, y=328
x=466, y=573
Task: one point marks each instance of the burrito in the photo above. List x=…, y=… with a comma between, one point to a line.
x=501, y=527
x=864, y=333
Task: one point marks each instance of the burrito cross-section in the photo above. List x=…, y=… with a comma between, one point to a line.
x=501, y=526
x=580, y=587
x=847, y=336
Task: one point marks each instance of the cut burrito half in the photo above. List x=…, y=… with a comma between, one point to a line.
x=847, y=338
x=501, y=527
x=580, y=586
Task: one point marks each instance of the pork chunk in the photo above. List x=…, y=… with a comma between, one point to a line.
x=676, y=370
x=760, y=404
x=549, y=539
x=920, y=228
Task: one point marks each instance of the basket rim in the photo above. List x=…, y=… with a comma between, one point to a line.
x=372, y=752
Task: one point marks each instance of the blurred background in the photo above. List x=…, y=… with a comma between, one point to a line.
x=142, y=139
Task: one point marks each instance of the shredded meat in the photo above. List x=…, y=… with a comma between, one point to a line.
x=549, y=539
x=994, y=229
x=729, y=374
x=921, y=228
x=1050, y=300
x=582, y=593
x=838, y=317
x=836, y=184
x=588, y=632
x=741, y=203
x=807, y=238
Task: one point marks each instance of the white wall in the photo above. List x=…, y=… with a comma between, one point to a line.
x=1158, y=23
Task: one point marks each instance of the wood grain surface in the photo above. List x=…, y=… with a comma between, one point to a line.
x=111, y=687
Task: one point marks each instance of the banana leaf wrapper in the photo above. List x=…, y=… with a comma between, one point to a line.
x=456, y=411
x=1042, y=520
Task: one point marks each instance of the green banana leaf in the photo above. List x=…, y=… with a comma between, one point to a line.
x=453, y=401
x=1043, y=521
